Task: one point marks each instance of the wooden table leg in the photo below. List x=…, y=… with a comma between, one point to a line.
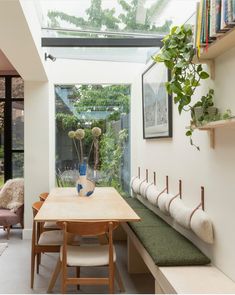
x=119, y=279
x=54, y=276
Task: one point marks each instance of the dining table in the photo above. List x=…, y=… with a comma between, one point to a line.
x=64, y=204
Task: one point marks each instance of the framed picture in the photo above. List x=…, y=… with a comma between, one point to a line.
x=157, y=103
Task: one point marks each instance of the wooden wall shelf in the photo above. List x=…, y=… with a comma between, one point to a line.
x=210, y=127
x=222, y=44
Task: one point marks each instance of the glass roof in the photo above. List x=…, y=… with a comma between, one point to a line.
x=133, y=55
x=152, y=17
x=111, y=19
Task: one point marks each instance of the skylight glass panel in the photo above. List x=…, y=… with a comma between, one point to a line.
x=104, y=18
x=131, y=55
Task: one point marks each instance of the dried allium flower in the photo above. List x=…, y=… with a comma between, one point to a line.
x=79, y=134
x=71, y=134
x=96, y=131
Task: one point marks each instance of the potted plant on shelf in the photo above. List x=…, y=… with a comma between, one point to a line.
x=204, y=109
x=177, y=54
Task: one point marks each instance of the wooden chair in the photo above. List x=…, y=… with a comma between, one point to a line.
x=88, y=255
x=42, y=241
x=43, y=196
x=48, y=225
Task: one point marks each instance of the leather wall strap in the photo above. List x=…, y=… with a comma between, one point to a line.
x=194, y=210
x=165, y=189
x=176, y=196
x=148, y=186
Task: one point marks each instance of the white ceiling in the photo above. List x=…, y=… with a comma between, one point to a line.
x=21, y=39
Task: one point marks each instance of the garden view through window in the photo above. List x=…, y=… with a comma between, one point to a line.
x=11, y=127
x=85, y=107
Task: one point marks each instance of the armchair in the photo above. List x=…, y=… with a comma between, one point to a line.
x=12, y=204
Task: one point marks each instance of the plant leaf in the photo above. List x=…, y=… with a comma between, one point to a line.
x=188, y=133
x=204, y=75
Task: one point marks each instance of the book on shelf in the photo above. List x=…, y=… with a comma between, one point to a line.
x=233, y=10
x=226, y=15
x=196, y=25
x=213, y=19
x=231, y=15
x=199, y=27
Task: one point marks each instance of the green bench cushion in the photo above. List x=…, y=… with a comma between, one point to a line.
x=166, y=246
x=148, y=218
x=134, y=203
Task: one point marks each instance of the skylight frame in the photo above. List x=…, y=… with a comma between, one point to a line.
x=101, y=42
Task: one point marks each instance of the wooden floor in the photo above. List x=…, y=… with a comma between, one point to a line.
x=15, y=271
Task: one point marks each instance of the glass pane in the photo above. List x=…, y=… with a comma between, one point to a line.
x=137, y=55
x=1, y=143
x=2, y=87
x=106, y=17
x=17, y=88
x=86, y=107
x=18, y=125
x=17, y=165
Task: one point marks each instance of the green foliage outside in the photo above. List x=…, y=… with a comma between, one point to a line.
x=1, y=180
x=92, y=99
x=86, y=99
x=98, y=97
x=111, y=152
x=1, y=152
x=127, y=21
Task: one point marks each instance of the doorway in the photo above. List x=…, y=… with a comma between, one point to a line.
x=11, y=127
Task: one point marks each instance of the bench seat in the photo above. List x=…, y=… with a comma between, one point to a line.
x=205, y=279
x=166, y=246
x=134, y=203
x=150, y=245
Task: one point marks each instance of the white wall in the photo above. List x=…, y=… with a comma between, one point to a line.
x=64, y=71
x=20, y=38
x=214, y=169
x=83, y=72
x=40, y=119
x=36, y=145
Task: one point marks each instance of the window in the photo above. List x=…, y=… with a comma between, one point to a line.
x=88, y=106
x=11, y=127
x=110, y=30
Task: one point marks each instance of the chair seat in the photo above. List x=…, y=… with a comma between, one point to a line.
x=8, y=218
x=50, y=224
x=53, y=237
x=88, y=255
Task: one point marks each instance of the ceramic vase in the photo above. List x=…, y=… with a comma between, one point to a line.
x=84, y=186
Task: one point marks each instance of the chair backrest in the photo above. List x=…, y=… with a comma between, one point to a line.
x=36, y=207
x=43, y=196
x=86, y=229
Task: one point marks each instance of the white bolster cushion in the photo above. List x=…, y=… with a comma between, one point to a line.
x=136, y=185
x=132, y=180
x=144, y=187
x=180, y=212
x=152, y=194
x=202, y=226
x=163, y=202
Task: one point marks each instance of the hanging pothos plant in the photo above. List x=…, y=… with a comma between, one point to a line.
x=177, y=54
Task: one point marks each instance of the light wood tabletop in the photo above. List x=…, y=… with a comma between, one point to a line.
x=104, y=204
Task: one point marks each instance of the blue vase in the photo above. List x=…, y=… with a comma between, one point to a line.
x=85, y=187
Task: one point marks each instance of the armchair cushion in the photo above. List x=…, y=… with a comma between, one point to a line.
x=8, y=218
x=12, y=194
